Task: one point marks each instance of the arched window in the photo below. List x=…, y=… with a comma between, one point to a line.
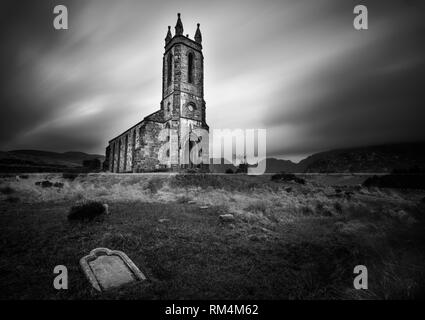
x=169, y=68
x=167, y=127
x=190, y=68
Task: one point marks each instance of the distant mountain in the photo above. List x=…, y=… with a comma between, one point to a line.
x=278, y=165
x=44, y=161
x=381, y=158
x=221, y=166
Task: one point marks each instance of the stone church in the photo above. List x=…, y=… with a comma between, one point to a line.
x=144, y=147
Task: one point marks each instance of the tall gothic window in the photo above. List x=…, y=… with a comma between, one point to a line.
x=169, y=68
x=126, y=152
x=113, y=157
x=167, y=126
x=190, y=68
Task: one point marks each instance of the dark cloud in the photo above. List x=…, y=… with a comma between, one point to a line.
x=298, y=69
x=27, y=35
x=371, y=94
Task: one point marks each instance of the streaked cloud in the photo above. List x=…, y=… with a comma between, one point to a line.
x=298, y=69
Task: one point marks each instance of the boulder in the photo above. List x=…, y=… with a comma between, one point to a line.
x=227, y=217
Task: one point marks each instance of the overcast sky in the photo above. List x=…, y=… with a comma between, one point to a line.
x=297, y=68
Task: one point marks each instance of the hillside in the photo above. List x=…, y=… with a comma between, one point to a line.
x=43, y=161
x=381, y=158
x=278, y=165
x=221, y=166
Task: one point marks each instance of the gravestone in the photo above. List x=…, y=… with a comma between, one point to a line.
x=106, y=269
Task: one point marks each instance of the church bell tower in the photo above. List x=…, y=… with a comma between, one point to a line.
x=183, y=103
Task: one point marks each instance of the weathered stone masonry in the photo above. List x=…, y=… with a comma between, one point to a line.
x=141, y=148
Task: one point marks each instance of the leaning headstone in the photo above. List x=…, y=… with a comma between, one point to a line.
x=106, y=269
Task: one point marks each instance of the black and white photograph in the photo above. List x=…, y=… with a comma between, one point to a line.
x=236, y=151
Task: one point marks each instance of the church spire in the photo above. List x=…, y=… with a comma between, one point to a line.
x=198, y=35
x=179, y=26
x=169, y=36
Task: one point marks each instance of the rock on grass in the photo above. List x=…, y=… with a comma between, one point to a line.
x=7, y=190
x=227, y=217
x=87, y=211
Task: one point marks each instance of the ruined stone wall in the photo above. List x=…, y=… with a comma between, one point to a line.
x=187, y=126
x=116, y=155
x=146, y=154
x=170, y=144
x=143, y=149
x=122, y=150
x=113, y=164
x=121, y=156
x=130, y=139
x=168, y=108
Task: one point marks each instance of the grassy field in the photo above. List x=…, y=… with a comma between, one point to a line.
x=288, y=240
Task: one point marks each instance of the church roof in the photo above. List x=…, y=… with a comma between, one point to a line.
x=157, y=116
